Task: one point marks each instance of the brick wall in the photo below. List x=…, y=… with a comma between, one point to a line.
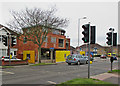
x=31, y=46
x=14, y=62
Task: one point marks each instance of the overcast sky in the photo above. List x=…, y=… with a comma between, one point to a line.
x=101, y=14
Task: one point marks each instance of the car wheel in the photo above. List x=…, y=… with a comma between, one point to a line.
x=69, y=63
x=87, y=62
x=78, y=63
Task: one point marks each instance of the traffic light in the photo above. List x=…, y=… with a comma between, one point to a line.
x=109, y=38
x=93, y=35
x=114, y=39
x=4, y=40
x=86, y=33
x=13, y=41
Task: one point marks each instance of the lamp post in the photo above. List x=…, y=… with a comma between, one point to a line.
x=79, y=27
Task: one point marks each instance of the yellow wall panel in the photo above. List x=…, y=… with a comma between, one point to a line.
x=82, y=52
x=32, y=56
x=60, y=55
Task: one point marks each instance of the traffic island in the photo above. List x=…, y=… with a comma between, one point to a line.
x=86, y=82
x=115, y=72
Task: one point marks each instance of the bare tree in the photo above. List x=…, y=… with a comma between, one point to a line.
x=34, y=24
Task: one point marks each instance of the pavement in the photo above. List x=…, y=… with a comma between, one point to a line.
x=108, y=77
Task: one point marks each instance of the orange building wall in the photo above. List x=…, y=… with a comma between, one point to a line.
x=31, y=46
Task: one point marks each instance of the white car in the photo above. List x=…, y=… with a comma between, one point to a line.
x=6, y=58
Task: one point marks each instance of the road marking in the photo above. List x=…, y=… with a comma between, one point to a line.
x=7, y=72
x=51, y=82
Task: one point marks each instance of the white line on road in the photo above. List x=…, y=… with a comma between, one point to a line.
x=51, y=82
x=7, y=72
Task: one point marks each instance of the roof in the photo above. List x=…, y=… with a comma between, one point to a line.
x=11, y=31
x=84, y=45
x=47, y=27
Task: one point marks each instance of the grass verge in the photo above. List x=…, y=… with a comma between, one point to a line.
x=7, y=66
x=85, y=82
x=114, y=71
x=43, y=64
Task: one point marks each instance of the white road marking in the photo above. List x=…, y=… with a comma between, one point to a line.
x=7, y=72
x=51, y=82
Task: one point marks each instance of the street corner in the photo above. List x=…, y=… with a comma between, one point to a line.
x=108, y=77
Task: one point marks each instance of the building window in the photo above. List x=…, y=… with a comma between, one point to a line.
x=15, y=53
x=53, y=39
x=28, y=56
x=13, y=40
x=61, y=43
x=3, y=52
x=55, y=32
x=0, y=38
x=25, y=40
x=45, y=39
x=67, y=44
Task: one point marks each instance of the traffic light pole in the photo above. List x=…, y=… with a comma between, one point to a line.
x=89, y=52
x=9, y=49
x=112, y=48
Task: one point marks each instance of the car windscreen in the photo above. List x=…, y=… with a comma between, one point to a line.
x=85, y=57
x=69, y=56
x=74, y=56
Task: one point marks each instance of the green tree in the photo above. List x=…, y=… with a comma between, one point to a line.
x=34, y=25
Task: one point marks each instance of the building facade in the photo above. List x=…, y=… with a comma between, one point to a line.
x=55, y=39
x=97, y=49
x=6, y=47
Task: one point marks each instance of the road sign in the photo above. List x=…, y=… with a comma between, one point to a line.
x=52, y=48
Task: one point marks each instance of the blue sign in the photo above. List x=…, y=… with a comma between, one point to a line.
x=52, y=48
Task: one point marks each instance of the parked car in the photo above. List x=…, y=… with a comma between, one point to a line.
x=6, y=58
x=14, y=58
x=103, y=56
x=114, y=58
x=91, y=58
x=76, y=59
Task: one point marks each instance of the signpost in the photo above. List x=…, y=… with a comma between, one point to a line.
x=51, y=56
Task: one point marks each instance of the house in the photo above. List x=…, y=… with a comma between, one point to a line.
x=7, y=36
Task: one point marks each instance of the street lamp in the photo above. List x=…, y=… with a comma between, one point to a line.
x=79, y=27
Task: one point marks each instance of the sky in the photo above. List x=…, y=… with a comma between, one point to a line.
x=102, y=14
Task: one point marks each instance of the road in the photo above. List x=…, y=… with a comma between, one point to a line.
x=53, y=74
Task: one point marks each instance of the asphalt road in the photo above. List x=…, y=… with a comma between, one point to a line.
x=53, y=74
